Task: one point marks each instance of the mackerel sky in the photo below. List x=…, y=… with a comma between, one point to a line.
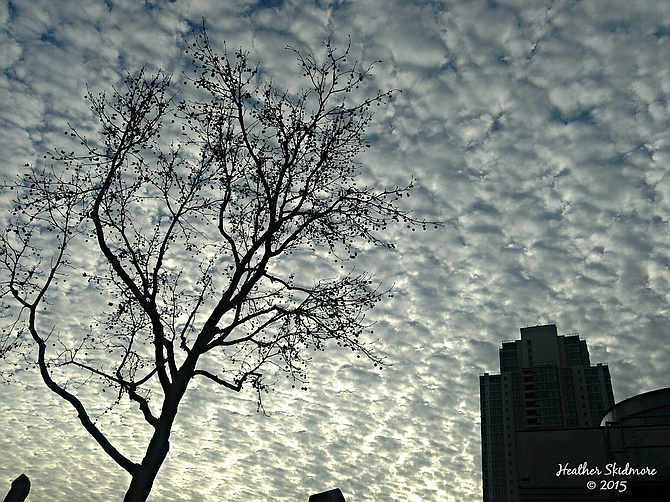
x=536, y=131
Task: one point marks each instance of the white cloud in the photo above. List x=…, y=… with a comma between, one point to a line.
x=537, y=134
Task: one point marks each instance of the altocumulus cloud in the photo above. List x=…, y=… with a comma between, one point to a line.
x=536, y=131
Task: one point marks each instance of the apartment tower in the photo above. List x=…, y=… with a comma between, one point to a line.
x=546, y=381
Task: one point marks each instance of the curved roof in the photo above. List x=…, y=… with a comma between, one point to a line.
x=653, y=405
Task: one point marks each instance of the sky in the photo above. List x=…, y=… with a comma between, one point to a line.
x=536, y=131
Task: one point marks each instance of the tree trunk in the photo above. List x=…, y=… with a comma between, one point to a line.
x=144, y=476
x=143, y=479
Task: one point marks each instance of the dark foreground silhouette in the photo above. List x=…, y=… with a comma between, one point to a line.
x=329, y=496
x=20, y=489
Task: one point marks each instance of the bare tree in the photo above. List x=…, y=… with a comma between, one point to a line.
x=198, y=238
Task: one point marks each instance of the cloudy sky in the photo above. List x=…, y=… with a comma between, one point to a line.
x=537, y=132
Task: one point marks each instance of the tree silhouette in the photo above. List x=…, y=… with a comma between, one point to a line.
x=197, y=239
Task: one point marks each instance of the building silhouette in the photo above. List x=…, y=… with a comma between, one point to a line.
x=546, y=382
x=630, y=449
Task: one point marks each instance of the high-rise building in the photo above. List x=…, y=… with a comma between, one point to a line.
x=546, y=381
